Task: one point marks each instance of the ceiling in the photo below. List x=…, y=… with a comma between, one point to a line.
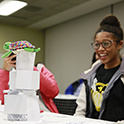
x=41, y=14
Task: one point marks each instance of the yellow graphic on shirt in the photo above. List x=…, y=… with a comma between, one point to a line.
x=96, y=93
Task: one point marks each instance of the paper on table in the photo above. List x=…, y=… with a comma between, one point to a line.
x=17, y=101
x=54, y=118
x=78, y=122
x=12, y=79
x=33, y=110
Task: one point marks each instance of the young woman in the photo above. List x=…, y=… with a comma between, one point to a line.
x=48, y=85
x=102, y=94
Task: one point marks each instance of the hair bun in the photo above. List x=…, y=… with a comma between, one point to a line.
x=110, y=20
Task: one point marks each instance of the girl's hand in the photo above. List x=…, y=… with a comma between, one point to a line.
x=8, y=63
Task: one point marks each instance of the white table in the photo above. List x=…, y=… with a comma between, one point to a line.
x=53, y=118
x=66, y=96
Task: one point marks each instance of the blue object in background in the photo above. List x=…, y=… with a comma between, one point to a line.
x=75, y=87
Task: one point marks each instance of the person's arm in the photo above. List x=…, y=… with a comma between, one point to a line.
x=4, y=79
x=81, y=103
x=48, y=84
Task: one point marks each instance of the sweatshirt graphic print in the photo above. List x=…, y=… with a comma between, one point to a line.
x=96, y=93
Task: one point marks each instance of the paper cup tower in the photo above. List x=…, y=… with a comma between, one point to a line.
x=21, y=103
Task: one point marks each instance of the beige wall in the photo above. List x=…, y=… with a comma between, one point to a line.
x=13, y=33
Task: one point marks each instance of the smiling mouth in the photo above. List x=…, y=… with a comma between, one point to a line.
x=102, y=56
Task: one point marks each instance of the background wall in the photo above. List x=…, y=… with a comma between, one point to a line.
x=12, y=33
x=68, y=50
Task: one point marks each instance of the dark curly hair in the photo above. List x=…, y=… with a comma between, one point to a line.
x=111, y=24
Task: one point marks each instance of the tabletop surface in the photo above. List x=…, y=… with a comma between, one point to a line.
x=52, y=118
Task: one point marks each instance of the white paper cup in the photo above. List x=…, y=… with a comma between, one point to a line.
x=25, y=60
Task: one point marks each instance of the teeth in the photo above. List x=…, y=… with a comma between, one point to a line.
x=102, y=55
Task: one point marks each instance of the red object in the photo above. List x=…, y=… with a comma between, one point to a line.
x=41, y=111
x=48, y=87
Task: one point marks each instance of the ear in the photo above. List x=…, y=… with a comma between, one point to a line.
x=120, y=44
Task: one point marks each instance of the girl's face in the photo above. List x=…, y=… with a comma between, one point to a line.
x=108, y=56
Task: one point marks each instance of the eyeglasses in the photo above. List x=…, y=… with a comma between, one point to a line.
x=105, y=44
